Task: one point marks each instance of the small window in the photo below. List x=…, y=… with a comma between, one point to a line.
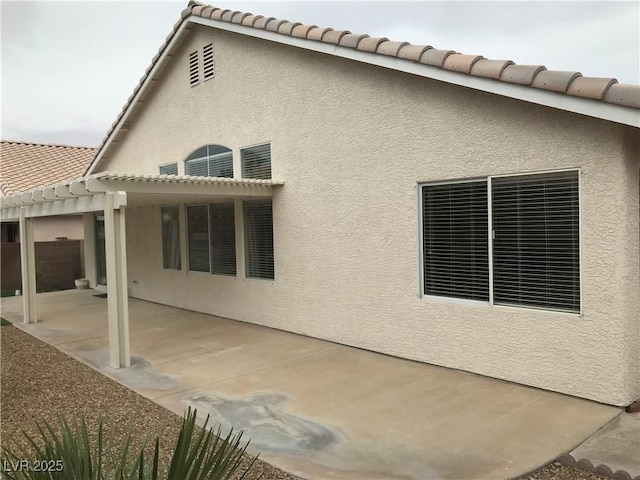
x=194, y=73
x=171, y=238
x=198, y=237
x=207, y=57
x=256, y=162
x=223, y=238
x=258, y=227
x=210, y=161
x=171, y=169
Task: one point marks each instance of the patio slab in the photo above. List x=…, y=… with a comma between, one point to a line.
x=319, y=409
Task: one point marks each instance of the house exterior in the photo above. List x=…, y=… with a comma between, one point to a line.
x=24, y=166
x=439, y=207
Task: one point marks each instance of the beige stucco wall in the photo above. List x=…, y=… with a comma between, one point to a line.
x=351, y=142
x=46, y=229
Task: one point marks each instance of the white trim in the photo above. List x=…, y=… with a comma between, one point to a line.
x=562, y=101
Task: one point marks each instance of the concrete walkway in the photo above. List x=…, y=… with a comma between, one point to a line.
x=318, y=409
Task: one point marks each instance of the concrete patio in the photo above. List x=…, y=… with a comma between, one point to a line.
x=319, y=409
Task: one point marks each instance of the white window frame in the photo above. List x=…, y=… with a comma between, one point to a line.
x=490, y=303
x=247, y=147
x=168, y=165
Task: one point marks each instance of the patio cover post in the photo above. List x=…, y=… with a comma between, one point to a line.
x=117, y=291
x=28, y=266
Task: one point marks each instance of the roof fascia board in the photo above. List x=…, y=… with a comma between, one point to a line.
x=149, y=79
x=561, y=101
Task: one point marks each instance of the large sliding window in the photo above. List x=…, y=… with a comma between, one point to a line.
x=212, y=238
x=171, y=238
x=258, y=227
x=210, y=161
x=530, y=232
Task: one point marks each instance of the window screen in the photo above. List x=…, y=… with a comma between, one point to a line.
x=256, y=162
x=198, y=236
x=223, y=238
x=259, y=239
x=171, y=238
x=210, y=161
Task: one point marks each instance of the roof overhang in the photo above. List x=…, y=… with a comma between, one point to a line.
x=87, y=194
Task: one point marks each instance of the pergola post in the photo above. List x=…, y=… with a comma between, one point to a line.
x=117, y=292
x=28, y=266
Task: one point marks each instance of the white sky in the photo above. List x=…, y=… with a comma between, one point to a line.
x=68, y=67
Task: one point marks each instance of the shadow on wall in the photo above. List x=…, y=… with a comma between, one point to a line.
x=58, y=265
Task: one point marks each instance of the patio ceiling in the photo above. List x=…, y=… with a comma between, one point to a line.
x=87, y=194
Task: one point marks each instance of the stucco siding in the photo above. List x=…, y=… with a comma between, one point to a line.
x=351, y=142
x=46, y=229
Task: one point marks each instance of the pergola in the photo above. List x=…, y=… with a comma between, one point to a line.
x=112, y=193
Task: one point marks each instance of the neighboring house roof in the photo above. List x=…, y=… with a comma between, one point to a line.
x=565, y=84
x=25, y=166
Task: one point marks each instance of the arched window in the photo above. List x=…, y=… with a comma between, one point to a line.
x=210, y=161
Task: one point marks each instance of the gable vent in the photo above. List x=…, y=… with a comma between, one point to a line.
x=194, y=76
x=207, y=53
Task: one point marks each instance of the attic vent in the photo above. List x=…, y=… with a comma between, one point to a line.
x=207, y=53
x=194, y=77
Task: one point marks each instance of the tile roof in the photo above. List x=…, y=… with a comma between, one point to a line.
x=606, y=90
x=24, y=166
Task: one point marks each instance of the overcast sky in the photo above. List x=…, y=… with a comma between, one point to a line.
x=68, y=67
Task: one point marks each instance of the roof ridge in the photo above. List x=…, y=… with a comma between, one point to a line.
x=20, y=142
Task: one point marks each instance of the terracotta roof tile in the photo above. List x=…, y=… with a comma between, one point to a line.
x=317, y=33
x=287, y=27
x=590, y=87
x=25, y=166
x=554, y=80
x=351, y=40
x=413, y=52
x=534, y=76
x=370, y=44
x=628, y=95
x=301, y=31
x=457, y=62
x=489, y=68
x=390, y=48
x=435, y=57
x=522, y=74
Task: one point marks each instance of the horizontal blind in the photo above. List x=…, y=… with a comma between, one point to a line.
x=197, y=167
x=455, y=240
x=223, y=238
x=259, y=239
x=256, y=162
x=198, y=237
x=171, y=238
x=221, y=165
x=536, y=251
x=171, y=169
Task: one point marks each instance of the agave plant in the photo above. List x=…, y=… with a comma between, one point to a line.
x=69, y=455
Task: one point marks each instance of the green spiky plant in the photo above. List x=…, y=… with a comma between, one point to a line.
x=198, y=454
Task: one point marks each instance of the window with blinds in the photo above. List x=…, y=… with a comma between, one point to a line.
x=256, y=162
x=534, y=240
x=171, y=238
x=455, y=240
x=210, y=161
x=223, y=238
x=258, y=227
x=207, y=60
x=198, y=237
x=171, y=169
x=194, y=73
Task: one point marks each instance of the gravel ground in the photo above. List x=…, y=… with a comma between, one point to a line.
x=38, y=382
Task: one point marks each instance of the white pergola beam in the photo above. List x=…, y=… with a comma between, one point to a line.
x=28, y=266
x=117, y=294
